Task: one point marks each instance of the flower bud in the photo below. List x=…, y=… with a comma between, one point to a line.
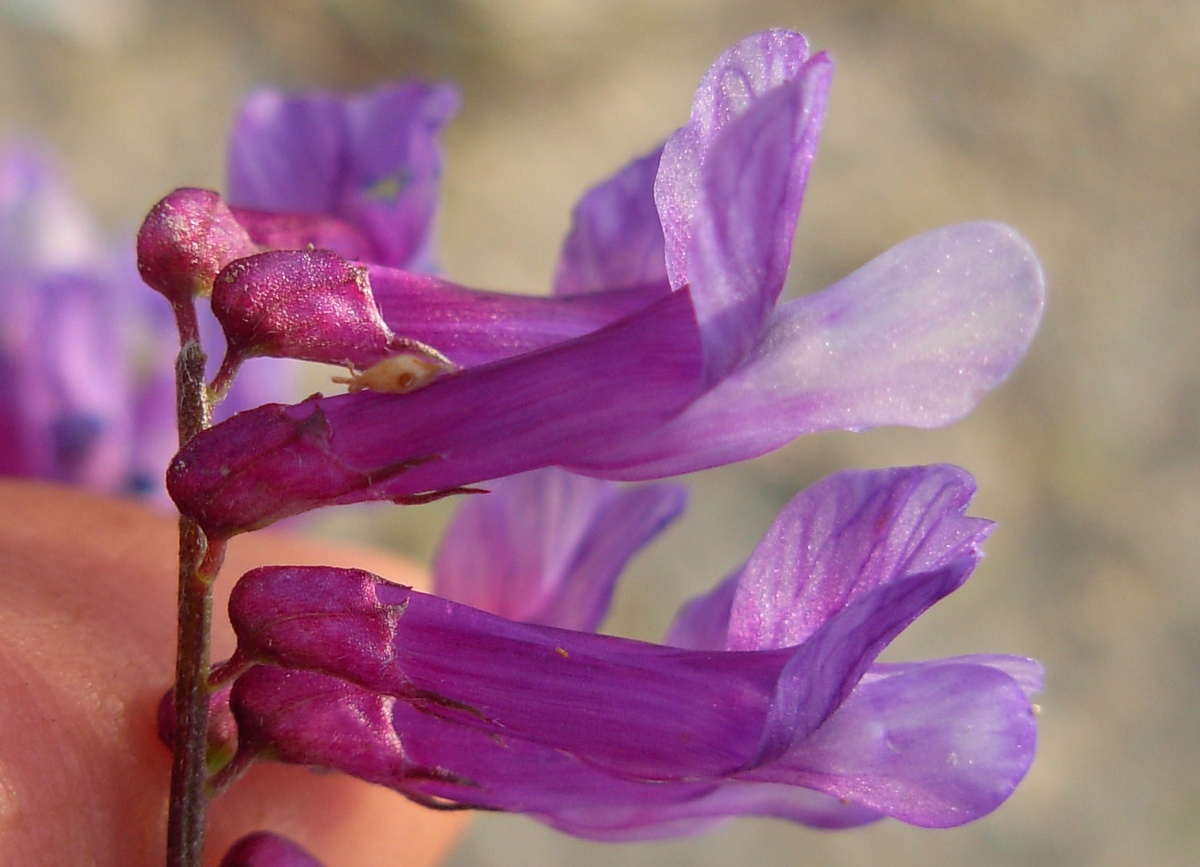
x=184, y=242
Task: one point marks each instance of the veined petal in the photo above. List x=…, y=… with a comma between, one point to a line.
x=632, y=709
x=843, y=537
x=823, y=671
x=934, y=744
x=547, y=546
x=847, y=534
x=916, y=338
x=473, y=327
x=742, y=74
x=543, y=409
x=616, y=237
x=371, y=160
x=315, y=719
x=731, y=182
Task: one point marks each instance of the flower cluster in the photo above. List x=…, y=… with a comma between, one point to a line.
x=765, y=700
x=664, y=348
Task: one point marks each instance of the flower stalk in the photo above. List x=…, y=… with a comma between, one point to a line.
x=199, y=562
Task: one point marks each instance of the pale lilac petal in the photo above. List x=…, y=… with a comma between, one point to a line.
x=821, y=673
x=739, y=77
x=472, y=327
x=616, y=238
x=547, y=547
x=731, y=799
x=934, y=744
x=43, y=227
x=731, y=182
x=372, y=161
x=543, y=409
x=843, y=537
x=916, y=338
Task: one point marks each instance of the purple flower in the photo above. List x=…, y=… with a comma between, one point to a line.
x=87, y=382
x=768, y=701
x=664, y=349
x=263, y=849
x=358, y=175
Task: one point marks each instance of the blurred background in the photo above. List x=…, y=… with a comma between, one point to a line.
x=1076, y=122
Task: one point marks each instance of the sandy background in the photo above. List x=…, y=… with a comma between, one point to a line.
x=1076, y=122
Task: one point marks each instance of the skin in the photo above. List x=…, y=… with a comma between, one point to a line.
x=86, y=652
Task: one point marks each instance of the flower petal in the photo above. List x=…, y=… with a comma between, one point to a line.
x=934, y=744
x=843, y=537
x=916, y=338
x=616, y=238
x=543, y=409
x=731, y=185
x=547, y=547
x=472, y=327
x=632, y=709
x=371, y=160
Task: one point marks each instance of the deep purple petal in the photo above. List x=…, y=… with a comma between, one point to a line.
x=472, y=327
x=371, y=160
x=543, y=409
x=289, y=231
x=916, y=338
x=547, y=547
x=307, y=304
x=731, y=182
x=638, y=710
x=616, y=237
x=314, y=719
x=264, y=849
x=935, y=744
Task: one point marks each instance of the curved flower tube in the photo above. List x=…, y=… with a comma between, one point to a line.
x=770, y=703
x=916, y=337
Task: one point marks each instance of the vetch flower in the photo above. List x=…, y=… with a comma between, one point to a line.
x=264, y=849
x=768, y=699
x=663, y=350
x=358, y=175
x=87, y=383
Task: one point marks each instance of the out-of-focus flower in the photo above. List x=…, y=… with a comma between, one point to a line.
x=663, y=350
x=87, y=353
x=81, y=397
x=358, y=175
x=769, y=700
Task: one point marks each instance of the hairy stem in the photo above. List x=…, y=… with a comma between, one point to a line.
x=199, y=561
